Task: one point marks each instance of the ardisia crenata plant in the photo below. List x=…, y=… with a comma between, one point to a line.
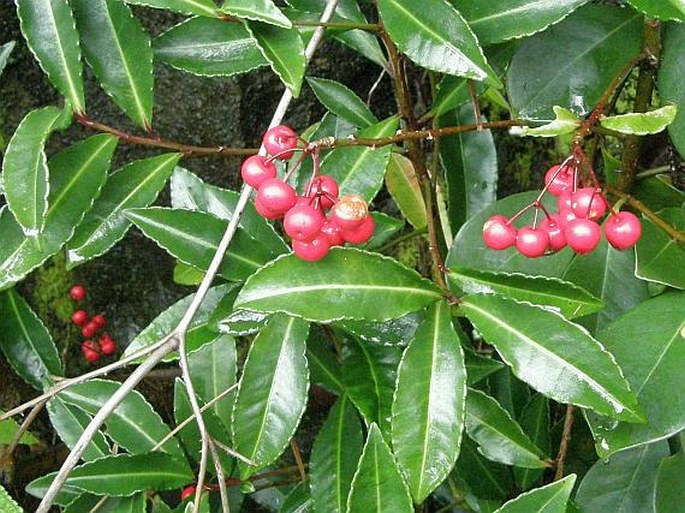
x=372, y=327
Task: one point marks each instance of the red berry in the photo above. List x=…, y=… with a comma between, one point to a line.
x=588, y=202
x=278, y=140
x=107, y=345
x=332, y=231
x=498, y=234
x=90, y=351
x=555, y=232
x=265, y=212
x=361, y=234
x=350, y=211
x=532, y=242
x=326, y=188
x=564, y=217
x=564, y=201
x=79, y=317
x=89, y=329
x=276, y=195
x=582, y=235
x=187, y=492
x=623, y=230
x=558, y=181
x=314, y=250
x=99, y=321
x=78, y=292
x=303, y=222
x=256, y=169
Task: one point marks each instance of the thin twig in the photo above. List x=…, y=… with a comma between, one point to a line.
x=221, y=477
x=234, y=453
x=298, y=459
x=563, y=446
x=23, y=428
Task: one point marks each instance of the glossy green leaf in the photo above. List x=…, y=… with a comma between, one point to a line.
x=393, y=332
x=494, y=22
x=284, y=50
x=661, y=9
x=198, y=7
x=258, y=10
x=94, y=503
x=670, y=495
x=360, y=169
x=659, y=257
x=479, y=367
x=77, y=174
x=193, y=238
x=119, y=52
x=641, y=123
x=452, y=92
x=658, y=192
x=209, y=47
x=485, y=478
x=65, y=496
x=9, y=429
x=25, y=173
x=564, y=122
x=511, y=393
x=571, y=300
x=49, y=29
x=377, y=486
x=189, y=191
x=342, y=101
x=386, y=228
x=403, y=186
x=7, y=503
x=242, y=322
x=26, y=342
x=436, y=37
x=69, y=422
x=552, y=498
x=324, y=367
x=671, y=88
x=535, y=422
x=649, y=344
x=272, y=394
x=335, y=454
x=185, y=274
x=5, y=52
x=428, y=407
x=347, y=283
x=623, y=483
x=499, y=437
x=553, y=355
x=573, y=62
x=135, y=185
x=299, y=500
x=134, y=425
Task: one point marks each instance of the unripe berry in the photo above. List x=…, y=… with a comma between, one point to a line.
x=278, y=140
x=78, y=292
x=256, y=169
x=314, y=250
x=498, y=234
x=532, y=242
x=350, y=211
x=90, y=351
x=361, y=234
x=303, y=222
x=623, y=230
x=588, y=202
x=582, y=235
x=326, y=187
x=276, y=195
x=79, y=317
x=555, y=232
x=558, y=181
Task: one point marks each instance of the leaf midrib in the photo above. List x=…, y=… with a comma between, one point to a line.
x=339, y=286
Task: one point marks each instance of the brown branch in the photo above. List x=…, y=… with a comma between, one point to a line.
x=298, y=459
x=563, y=446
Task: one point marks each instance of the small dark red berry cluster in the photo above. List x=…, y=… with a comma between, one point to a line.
x=315, y=221
x=90, y=326
x=576, y=222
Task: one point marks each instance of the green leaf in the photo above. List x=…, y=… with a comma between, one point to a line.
x=641, y=124
x=625, y=482
x=26, y=342
x=500, y=438
x=5, y=52
x=653, y=367
x=119, y=52
x=209, y=47
x=535, y=422
x=663, y=10
x=299, y=500
x=257, y=10
x=77, y=174
x=193, y=238
x=386, y=228
x=428, y=407
x=198, y=7
x=553, y=355
x=135, y=185
x=95, y=503
x=564, y=122
x=392, y=332
x=659, y=257
x=25, y=168
x=479, y=367
x=669, y=493
x=69, y=422
x=324, y=367
x=134, y=425
x=346, y=284
x=494, y=22
x=342, y=102
x=241, y=322
x=658, y=192
x=452, y=92
x=190, y=192
x=403, y=186
x=360, y=169
x=670, y=83
x=49, y=29
x=377, y=486
x=9, y=429
x=65, y=496
x=436, y=37
x=552, y=498
x=185, y=274
x=569, y=299
x=7, y=503
x=573, y=62
x=272, y=394
x=335, y=454
x=284, y=50
x=485, y=478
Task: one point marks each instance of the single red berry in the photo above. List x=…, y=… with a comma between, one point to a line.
x=303, y=222
x=188, y=492
x=256, y=169
x=326, y=188
x=276, y=195
x=588, y=202
x=107, y=345
x=532, y=242
x=361, y=234
x=314, y=250
x=582, y=235
x=350, y=211
x=498, y=234
x=89, y=329
x=558, y=181
x=278, y=140
x=79, y=317
x=265, y=212
x=564, y=217
x=99, y=321
x=555, y=232
x=78, y=292
x=90, y=351
x=332, y=231
x=623, y=230
x=564, y=201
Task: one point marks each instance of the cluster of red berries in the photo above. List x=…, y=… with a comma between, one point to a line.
x=90, y=326
x=576, y=222
x=318, y=219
